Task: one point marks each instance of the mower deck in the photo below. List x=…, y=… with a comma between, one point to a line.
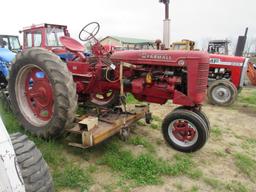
x=109, y=123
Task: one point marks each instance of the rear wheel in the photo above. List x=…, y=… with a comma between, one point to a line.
x=222, y=93
x=108, y=99
x=185, y=130
x=34, y=170
x=42, y=93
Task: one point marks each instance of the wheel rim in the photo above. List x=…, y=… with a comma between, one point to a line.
x=183, y=132
x=34, y=95
x=221, y=94
x=102, y=99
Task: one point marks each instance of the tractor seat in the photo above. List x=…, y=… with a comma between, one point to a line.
x=71, y=44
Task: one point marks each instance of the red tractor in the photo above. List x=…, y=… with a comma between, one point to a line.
x=44, y=91
x=46, y=36
x=226, y=77
x=227, y=73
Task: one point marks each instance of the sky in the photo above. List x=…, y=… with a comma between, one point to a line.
x=199, y=20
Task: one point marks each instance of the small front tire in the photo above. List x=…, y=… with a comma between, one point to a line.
x=185, y=131
x=222, y=92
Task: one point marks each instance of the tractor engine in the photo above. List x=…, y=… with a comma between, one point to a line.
x=156, y=76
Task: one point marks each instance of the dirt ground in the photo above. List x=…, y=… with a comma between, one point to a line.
x=226, y=163
x=233, y=132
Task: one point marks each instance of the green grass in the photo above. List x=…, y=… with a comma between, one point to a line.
x=155, y=125
x=156, y=118
x=144, y=169
x=72, y=176
x=249, y=143
x=194, y=189
x=66, y=174
x=139, y=140
x=214, y=183
x=230, y=186
x=141, y=123
x=216, y=132
x=236, y=186
x=248, y=97
x=246, y=164
x=131, y=100
x=220, y=153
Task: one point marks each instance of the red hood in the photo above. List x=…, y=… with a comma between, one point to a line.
x=227, y=58
x=158, y=57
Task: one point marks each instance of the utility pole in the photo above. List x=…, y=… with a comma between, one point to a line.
x=166, y=32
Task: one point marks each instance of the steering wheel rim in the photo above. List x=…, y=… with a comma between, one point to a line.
x=91, y=34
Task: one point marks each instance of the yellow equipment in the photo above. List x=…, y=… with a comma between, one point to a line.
x=184, y=44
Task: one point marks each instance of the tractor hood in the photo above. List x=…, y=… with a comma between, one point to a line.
x=6, y=55
x=216, y=58
x=158, y=57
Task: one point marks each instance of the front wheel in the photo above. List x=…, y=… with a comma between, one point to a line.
x=185, y=131
x=222, y=92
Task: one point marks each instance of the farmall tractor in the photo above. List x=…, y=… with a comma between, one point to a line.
x=45, y=91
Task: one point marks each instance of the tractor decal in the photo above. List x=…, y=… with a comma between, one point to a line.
x=156, y=56
x=217, y=61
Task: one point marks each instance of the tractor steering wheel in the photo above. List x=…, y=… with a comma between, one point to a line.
x=89, y=31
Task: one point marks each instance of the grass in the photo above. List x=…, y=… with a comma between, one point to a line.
x=141, y=123
x=246, y=165
x=66, y=174
x=216, y=132
x=248, y=97
x=220, y=153
x=72, y=176
x=139, y=140
x=131, y=100
x=154, y=125
x=249, y=143
x=214, y=183
x=236, y=186
x=233, y=186
x=144, y=169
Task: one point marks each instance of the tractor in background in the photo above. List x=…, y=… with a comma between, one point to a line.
x=226, y=73
x=46, y=36
x=10, y=42
x=45, y=91
x=6, y=57
x=184, y=44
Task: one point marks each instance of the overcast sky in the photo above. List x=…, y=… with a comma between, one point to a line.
x=199, y=20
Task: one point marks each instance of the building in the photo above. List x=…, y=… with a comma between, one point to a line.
x=128, y=43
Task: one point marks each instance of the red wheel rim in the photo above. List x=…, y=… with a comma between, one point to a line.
x=102, y=99
x=39, y=95
x=183, y=132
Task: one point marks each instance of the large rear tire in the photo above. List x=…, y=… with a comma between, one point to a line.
x=34, y=170
x=42, y=93
x=222, y=92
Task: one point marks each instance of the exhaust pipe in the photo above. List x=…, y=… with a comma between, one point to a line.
x=241, y=44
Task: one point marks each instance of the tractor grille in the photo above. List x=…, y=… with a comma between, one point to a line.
x=202, y=78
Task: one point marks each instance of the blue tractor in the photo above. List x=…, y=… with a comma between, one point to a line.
x=6, y=57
